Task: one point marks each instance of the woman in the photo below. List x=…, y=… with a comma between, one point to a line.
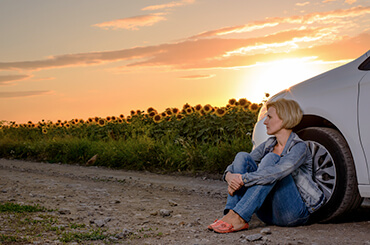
x=274, y=181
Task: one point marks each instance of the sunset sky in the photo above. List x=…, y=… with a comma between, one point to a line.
x=66, y=59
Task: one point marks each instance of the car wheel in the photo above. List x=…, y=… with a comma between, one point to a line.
x=333, y=170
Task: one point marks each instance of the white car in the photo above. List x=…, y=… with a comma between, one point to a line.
x=336, y=125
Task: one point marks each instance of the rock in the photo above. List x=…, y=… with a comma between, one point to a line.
x=172, y=203
x=125, y=233
x=64, y=211
x=253, y=237
x=165, y=212
x=99, y=223
x=266, y=231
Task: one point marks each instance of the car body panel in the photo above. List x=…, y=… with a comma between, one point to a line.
x=334, y=96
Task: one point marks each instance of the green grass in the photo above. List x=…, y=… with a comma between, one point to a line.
x=17, y=208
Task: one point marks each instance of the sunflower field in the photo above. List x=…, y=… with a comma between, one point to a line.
x=193, y=139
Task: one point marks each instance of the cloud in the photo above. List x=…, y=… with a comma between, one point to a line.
x=302, y=4
x=18, y=94
x=208, y=53
x=132, y=23
x=169, y=5
x=82, y=59
x=330, y=17
x=198, y=76
x=5, y=79
x=350, y=1
x=211, y=52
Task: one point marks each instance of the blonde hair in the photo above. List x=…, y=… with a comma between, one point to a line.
x=287, y=110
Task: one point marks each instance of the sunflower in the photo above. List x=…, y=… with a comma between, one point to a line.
x=96, y=119
x=232, y=102
x=152, y=113
x=81, y=121
x=254, y=107
x=67, y=125
x=114, y=118
x=207, y=108
x=221, y=111
x=157, y=118
x=179, y=116
x=169, y=111
x=243, y=102
x=186, y=106
x=101, y=122
x=198, y=107
x=150, y=109
x=163, y=114
x=138, y=112
x=122, y=116
x=108, y=118
x=132, y=113
x=44, y=131
x=189, y=110
x=175, y=110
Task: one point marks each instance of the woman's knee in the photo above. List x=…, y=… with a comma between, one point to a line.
x=269, y=159
x=243, y=163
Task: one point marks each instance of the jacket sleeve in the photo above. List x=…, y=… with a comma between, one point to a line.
x=256, y=155
x=273, y=167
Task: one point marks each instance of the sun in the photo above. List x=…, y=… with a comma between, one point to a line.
x=272, y=77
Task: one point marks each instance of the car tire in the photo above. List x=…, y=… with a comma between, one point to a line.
x=334, y=172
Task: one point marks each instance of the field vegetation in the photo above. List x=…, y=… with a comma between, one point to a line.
x=193, y=139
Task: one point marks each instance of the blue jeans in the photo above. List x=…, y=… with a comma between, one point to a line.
x=278, y=203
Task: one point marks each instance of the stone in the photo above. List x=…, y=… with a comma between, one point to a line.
x=266, y=231
x=99, y=223
x=172, y=203
x=253, y=237
x=165, y=212
x=64, y=211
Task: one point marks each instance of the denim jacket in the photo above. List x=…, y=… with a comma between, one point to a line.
x=296, y=159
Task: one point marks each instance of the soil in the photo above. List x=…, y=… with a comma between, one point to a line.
x=147, y=208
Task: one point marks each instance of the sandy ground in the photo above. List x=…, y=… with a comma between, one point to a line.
x=145, y=208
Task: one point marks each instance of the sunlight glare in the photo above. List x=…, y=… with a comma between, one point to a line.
x=273, y=77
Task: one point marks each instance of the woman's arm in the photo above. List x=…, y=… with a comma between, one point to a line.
x=273, y=167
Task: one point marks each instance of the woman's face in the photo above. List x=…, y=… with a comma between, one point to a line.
x=273, y=122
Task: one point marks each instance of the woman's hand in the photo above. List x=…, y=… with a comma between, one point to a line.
x=234, y=181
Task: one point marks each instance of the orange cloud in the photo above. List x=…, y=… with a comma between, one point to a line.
x=169, y=5
x=22, y=94
x=198, y=76
x=330, y=17
x=302, y=4
x=215, y=52
x=5, y=79
x=132, y=23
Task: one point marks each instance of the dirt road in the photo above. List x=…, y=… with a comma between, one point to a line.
x=145, y=208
